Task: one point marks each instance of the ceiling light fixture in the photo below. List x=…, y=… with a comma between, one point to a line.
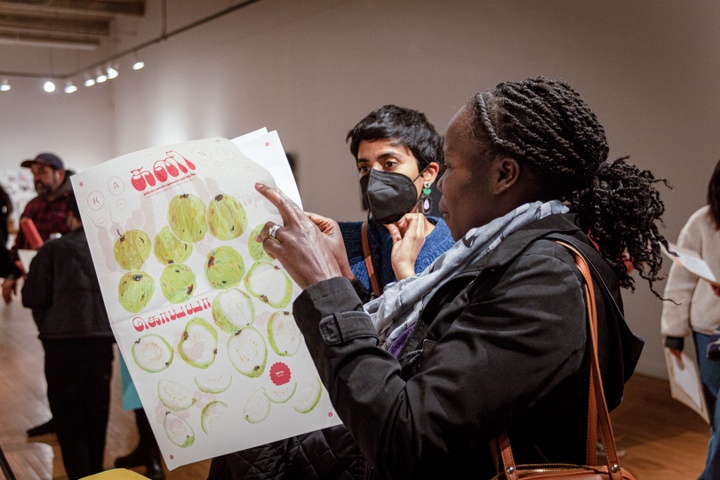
x=70, y=87
x=89, y=81
x=49, y=86
x=5, y=85
x=111, y=72
x=137, y=63
x=100, y=77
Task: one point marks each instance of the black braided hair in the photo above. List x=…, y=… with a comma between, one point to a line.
x=548, y=128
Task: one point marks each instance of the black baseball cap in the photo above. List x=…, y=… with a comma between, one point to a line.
x=49, y=159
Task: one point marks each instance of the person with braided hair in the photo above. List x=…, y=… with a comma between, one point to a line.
x=491, y=337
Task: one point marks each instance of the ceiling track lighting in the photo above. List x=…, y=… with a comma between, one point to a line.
x=137, y=63
x=70, y=87
x=111, y=71
x=49, y=86
x=5, y=85
x=100, y=76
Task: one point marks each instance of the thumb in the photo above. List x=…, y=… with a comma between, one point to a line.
x=394, y=232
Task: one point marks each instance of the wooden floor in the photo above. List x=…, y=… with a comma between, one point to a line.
x=662, y=439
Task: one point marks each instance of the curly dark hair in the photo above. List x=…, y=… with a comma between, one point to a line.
x=409, y=128
x=713, y=196
x=544, y=125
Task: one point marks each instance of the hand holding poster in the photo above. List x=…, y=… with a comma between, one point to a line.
x=201, y=314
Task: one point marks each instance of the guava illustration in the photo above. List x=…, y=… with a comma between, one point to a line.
x=283, y=333
x=135, y=290
x=226, y=217
x=232, y=310
x=198, y=343
x=307, y=395
x=152, y=353
x=257, y=252
x=269, y=283
x=224, y=267
x=132, y=249
x=174, y=395
x=257, y=407
x=210, y=415
x=247, y=352
x=281, y=393
x=178, y=430
x=187, y=218
x=169, y=249
x=216, y=383
x=177, y=282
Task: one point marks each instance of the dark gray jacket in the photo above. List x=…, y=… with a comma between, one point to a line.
x=63, y=292
x=501, y=346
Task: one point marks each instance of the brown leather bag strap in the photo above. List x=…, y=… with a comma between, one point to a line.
x=600, y=411
x=368, y=261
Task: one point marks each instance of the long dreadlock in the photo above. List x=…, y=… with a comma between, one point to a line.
x=547, y=127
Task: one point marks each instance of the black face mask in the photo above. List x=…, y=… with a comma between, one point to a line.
x=388, y=195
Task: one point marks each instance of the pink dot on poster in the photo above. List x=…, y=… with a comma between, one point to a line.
x=280, y=373
x=267, y=144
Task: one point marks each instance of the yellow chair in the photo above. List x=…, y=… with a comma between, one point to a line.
x=116, y=474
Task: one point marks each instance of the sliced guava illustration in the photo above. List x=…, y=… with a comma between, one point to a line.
x=232, y=310
x=132, y=249
x=257, y=251
x=269, y=283
x=152, y=353
x=174, y=395
x=257, y=407
x=187, y=218
x=307, y=395
x=226, y=217
x=281, y=393
x=198, y=343
x=247, y=352
x=224, y=267
x=169, y=249
x=216, y=383
x=178, y=430
x=135, y=290
x=177, y=282
x=283, y=333
x=211, y=414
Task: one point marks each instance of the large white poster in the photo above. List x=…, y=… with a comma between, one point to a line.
x=202, y=315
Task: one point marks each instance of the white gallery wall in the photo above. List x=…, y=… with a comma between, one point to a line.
x=310, y=69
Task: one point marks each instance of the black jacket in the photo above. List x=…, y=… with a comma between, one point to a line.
x=501, y=346
x=63, y=292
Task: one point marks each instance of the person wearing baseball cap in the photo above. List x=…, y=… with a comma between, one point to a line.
x=48, y=211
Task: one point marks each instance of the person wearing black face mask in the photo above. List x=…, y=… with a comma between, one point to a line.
x=398, y=155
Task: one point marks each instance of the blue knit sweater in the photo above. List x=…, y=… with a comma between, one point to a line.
x=381, y=243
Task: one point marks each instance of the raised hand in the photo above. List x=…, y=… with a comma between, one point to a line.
x=299, y=244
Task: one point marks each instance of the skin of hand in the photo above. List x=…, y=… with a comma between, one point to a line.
x=408, y=235
x=301, y=247
x=678, y=356
x=9, y=288
x=333, y=236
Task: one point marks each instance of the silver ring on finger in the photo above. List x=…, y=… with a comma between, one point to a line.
x=272, y=232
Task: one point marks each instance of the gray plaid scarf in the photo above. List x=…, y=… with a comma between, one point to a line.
x=399, y=307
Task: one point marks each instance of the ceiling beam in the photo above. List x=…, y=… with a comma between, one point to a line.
x=109, y=7
x=55, y=24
